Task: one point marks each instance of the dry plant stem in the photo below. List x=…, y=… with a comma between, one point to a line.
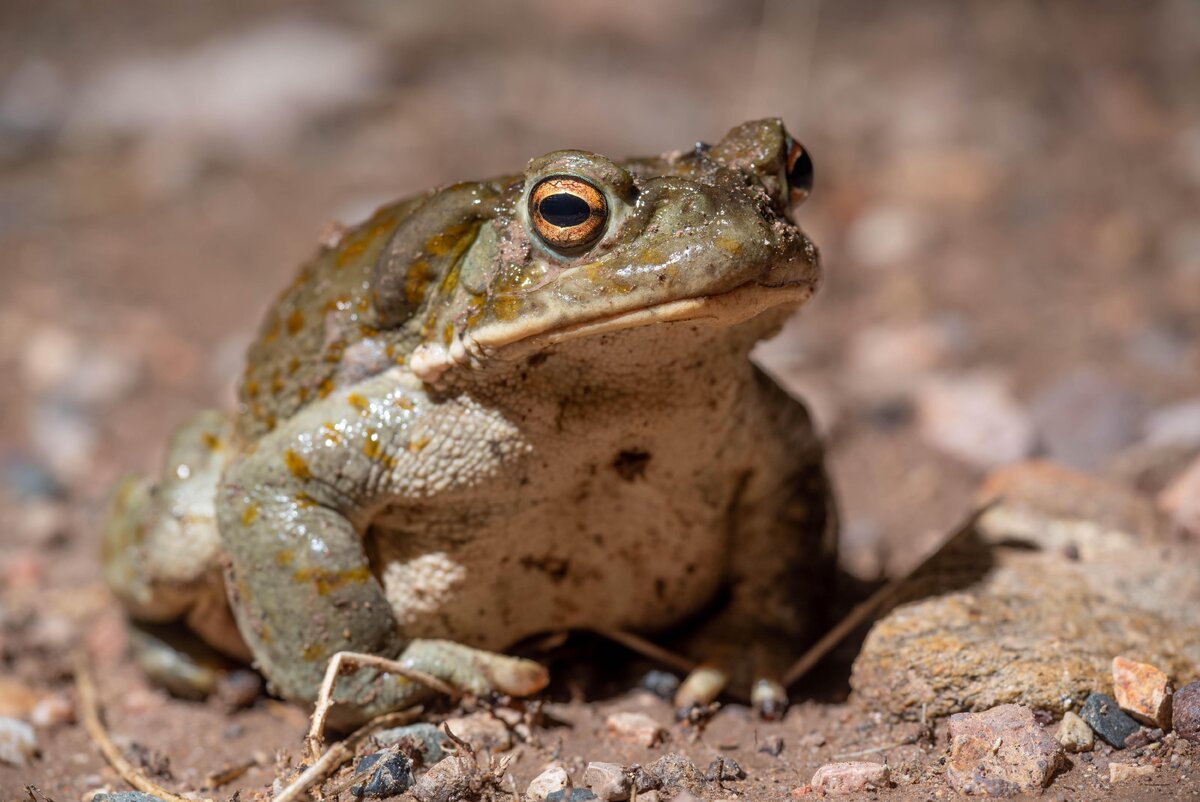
x=645, y=648
x=875, y=604
x=90, y=709
x=346, y=661
x=340, y=752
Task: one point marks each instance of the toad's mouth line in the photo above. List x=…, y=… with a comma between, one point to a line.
x=430, y=361
x=728, y=308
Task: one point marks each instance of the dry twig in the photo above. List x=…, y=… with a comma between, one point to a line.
x=345, y=661
x=90, y=708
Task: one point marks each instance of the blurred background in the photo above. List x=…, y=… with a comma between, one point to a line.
x=1007, y=205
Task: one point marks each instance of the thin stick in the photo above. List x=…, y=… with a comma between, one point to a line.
x=342, y=660
x=339, y=753
x=95, y=729
x=638, y=644
x=912, y=739
x=862, y=611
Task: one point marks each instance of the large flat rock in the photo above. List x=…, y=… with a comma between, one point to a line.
x=1030, y=606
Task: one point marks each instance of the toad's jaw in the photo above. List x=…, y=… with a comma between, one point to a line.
x=430, y=361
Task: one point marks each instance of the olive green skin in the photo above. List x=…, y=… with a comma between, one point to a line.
x=449, y=430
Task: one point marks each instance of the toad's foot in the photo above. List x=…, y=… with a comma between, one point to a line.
x=359, y=686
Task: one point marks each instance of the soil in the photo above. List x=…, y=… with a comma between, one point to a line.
x=1008, y=189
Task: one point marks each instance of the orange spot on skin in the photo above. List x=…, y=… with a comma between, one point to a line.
x=448, y=333
x=249, y=513
x=506, y=307
x=329, y=581
x=325, y=388
x=295, y=322
x=284, y=557
x=296, y=465
x=358, y=402
x=334, y=351
x=314, y=652
x=353, y=249
x=293, y=366
x=250, y=388
x=418, y=443
x=211, y=441
x=374, y=451
x=416, y=280
x=304, y=500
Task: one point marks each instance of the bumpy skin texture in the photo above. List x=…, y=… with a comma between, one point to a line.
x=448, y=430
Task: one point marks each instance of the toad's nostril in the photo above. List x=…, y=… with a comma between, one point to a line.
x=799, y=172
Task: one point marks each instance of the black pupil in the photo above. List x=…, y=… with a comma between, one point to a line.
x=564, y=210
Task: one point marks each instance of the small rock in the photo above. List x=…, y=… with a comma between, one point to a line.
x=607, y=781
x=642, y=780
x=975, y=419
x=849, y=778
x=482, y=731
x=552, y=779
x=424, y=743
x=124, y=796
x=662, y=684
x=1074, y=734
x=1000, y=752
x=676, y=771
x=1105, y=718
x=649, y=796
x=1084, y=418
x=18, y=743
x=1120, y=772
x=16, y=698
x=239, y=689
x=1143, y=737
x=1178, y=424
x=724, y=768
x=772, y=745
x=451, y=779
x=637, y=728
x=390, y=774
x=53, y=711
x=1142, y=691
x=1185, y=713
x=1181, y=499
x=574, y=795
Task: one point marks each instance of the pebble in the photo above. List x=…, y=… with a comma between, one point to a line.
x=1181, y=499
x=424, y=743
x=1178, y=424
x=447, y=780
x=649, y=796
x=637, y=728
x=849, y=778
x=1185, y=714
x=724, y=768
x=552, y=779
x=771, y=745
x=1001, y=752
x=676, y=771
x=574, y=795
x=391, y=773
x=1074, y=733
x=1084, y=418
x=975, y=419
x=608, y=781
x=1120, y=772
x=1143, y=737
x=482, y=731
x=642, y=780
x=18, y=743
x=1104, y=716
x=662, y=684
x=16, y=698
x=124, y=796
x=53, y=711
x=1143, y=691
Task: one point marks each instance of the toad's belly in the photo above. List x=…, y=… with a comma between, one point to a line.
x=620, y=554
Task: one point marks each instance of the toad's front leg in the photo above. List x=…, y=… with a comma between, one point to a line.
x=292, y=513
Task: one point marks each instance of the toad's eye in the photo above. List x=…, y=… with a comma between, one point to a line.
x=568, y=213
x=799, y=173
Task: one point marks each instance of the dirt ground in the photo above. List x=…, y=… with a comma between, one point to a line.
x=1006, y=203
